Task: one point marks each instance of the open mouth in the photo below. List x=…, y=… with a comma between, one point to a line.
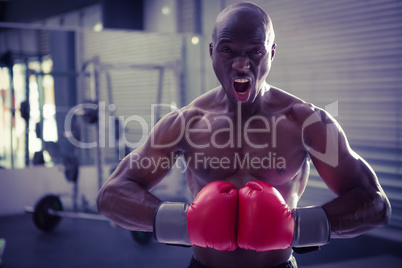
x=242, y=89
x=241, y=85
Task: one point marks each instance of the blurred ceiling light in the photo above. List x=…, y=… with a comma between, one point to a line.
x=165, y=10
x=98, y=27
x=195, y=40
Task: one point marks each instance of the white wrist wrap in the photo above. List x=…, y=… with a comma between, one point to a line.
x=312, y=227
x=170, y=223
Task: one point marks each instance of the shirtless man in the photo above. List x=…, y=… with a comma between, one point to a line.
x=240, y=140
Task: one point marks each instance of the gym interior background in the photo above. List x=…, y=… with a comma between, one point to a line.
x=112, y=68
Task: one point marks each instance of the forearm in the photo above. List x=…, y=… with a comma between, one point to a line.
x=128, y=204
x=357, y=211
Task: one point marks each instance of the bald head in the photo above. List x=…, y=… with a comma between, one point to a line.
x=244, y=10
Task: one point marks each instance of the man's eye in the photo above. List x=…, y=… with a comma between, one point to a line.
x=256, y=51
x=226, y=50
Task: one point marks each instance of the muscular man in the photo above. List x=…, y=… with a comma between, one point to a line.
x=248, y=146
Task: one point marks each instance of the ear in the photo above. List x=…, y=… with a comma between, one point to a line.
x=211, y=49
x=273, y=51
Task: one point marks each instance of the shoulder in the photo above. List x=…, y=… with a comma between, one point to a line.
x=290, y=104
x=311, y=118
x=175, y=120
x=203, y=104
x=208, y=101
x=170, y=129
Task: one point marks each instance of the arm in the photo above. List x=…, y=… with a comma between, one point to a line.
x=125, y=197
x=361, y=204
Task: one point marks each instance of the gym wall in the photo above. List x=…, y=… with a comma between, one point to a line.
x=134, y=83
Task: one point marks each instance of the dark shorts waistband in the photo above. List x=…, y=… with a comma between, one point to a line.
x=291, y=263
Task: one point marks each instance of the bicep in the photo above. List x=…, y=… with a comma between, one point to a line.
x=147, y=168
x=338, y=165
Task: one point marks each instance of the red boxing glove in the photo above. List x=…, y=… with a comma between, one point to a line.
x=265, y=222
x=212, y=217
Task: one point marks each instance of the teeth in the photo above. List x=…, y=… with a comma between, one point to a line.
x=240, y=80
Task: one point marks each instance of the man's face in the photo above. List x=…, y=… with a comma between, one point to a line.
x=241, y=56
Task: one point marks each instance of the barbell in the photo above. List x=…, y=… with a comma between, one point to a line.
x=48, y=212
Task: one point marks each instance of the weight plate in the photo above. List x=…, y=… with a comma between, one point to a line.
x=41, y=217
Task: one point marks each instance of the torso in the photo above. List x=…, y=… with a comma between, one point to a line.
x=217, y=147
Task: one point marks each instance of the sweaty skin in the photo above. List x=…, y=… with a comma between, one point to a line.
x=247, y=130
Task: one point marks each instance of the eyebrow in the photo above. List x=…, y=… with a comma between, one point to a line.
x=262, y=43
x=227, y=37
x=230, y=41
x=224, y=41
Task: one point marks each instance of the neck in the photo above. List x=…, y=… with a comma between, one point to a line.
x=247, y=109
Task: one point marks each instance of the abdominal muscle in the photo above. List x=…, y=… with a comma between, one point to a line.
x=240, y=257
